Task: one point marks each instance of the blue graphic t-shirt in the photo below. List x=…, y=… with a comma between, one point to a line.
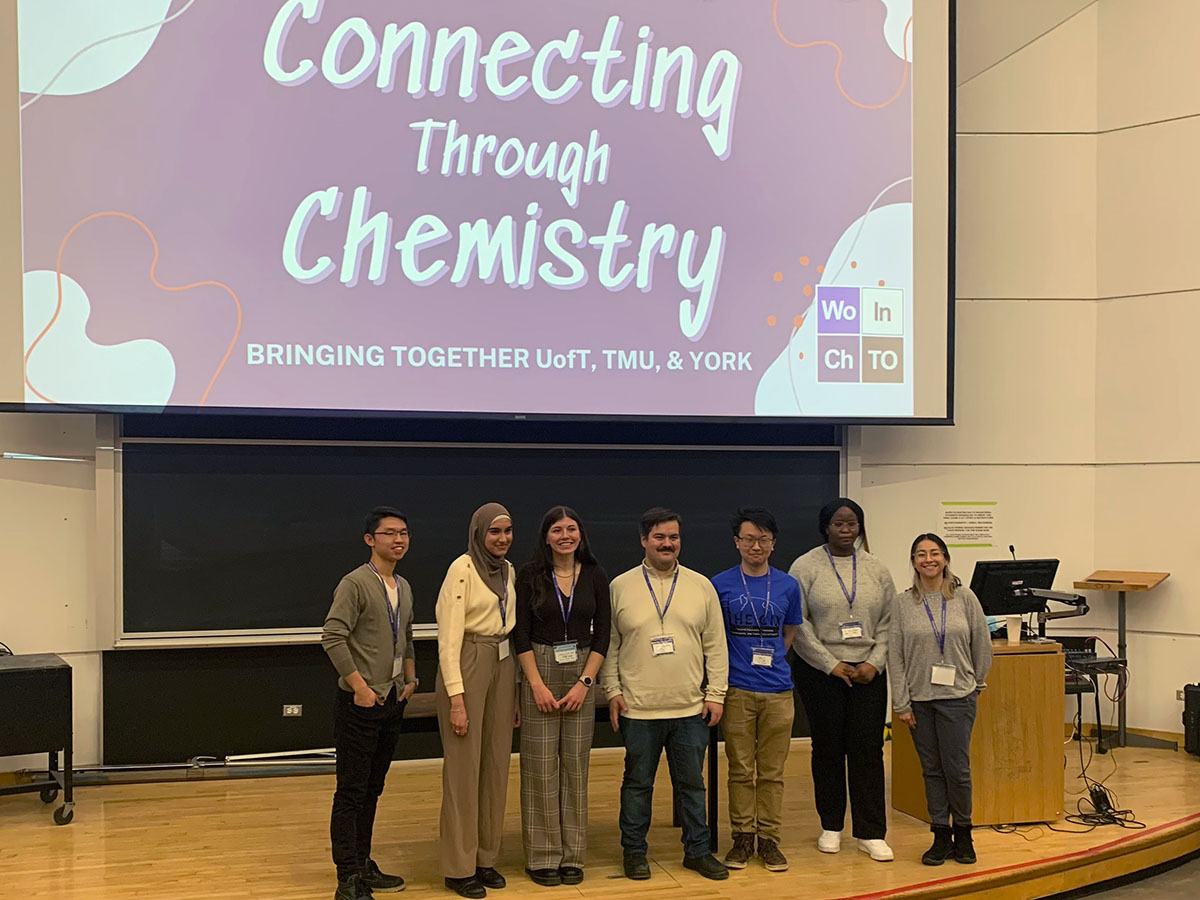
x=750, y=623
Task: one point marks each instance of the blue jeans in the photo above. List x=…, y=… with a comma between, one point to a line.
x=685, y=741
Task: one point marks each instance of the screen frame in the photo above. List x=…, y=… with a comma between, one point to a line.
x=8, y=41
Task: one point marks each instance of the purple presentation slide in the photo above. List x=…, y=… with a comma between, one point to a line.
x=678, y=208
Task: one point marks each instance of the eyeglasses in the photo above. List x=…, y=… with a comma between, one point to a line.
x=756, y=542
x=392, y=533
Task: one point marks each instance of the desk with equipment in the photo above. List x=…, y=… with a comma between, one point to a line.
x=35, y=717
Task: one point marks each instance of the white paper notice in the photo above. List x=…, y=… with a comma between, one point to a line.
x=969, y=523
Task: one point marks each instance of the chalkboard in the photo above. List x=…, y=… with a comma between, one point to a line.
x=255, y=537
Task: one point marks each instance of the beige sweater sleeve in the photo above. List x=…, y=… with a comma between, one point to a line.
x=466, y=605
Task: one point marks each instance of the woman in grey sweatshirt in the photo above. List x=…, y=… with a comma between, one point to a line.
x=939, y=653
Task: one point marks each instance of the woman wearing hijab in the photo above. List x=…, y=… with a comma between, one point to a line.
x=476, y=702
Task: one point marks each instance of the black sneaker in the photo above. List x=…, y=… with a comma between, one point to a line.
x=466, y=887
x=964, y=846
x=489, y=877
x=707, y=865
x=347, y=889
x=378, y=881
x=544, y=877
x=772, y=856
x=636, y=867
x=570, y=874
x=741, y=851
x=943, y=846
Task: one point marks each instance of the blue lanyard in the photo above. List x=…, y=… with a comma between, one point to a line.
x=940, y=638
x=503, y=601
x=750, y=600
x=565, y=610
x=393, y=614
x=662, y=610
x=853, y=592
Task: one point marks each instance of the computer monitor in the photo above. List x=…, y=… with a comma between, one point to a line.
x=996, y=581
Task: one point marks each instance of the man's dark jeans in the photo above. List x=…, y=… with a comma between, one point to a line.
x=686, y=741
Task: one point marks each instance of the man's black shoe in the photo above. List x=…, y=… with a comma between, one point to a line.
x=467, y=887
x=707, y=865
x=379, y=881
x=636, y=867
x=544, y=877
x=570, y=874
x=489, y=877
x=348, y=889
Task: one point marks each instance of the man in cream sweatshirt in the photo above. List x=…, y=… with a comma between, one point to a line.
x=665, y=677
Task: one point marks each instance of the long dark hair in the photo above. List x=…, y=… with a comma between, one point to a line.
x=829, y=510
x=543, y=556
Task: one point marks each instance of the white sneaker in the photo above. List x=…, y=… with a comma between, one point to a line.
x=829, y=841
x=877, y=849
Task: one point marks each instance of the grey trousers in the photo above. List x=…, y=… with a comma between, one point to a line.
x=942, y=738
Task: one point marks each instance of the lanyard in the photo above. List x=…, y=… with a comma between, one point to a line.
x=565, y=610
x=393, y=614
x=662, y=610
x=940, y=638
x=750, y=600
x=853, y=592
x=504, y=600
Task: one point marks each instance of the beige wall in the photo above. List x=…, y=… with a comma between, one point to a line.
x=1076, y=407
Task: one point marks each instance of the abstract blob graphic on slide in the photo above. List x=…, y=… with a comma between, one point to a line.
x=872, y=258
x=899, y=12
x=50, y=32
x=67, y=367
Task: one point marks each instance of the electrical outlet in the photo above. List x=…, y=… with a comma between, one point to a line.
x=1179, y=694
x=293, y=709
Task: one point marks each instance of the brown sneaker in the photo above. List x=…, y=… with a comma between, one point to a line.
x=741, y=851
x=771, y=855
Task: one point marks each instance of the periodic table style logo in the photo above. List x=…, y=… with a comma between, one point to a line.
x=860, y=334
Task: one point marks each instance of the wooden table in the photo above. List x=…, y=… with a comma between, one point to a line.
x=1122, y=581
x=1016, y=747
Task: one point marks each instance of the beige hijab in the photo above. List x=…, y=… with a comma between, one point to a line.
x=492, y=569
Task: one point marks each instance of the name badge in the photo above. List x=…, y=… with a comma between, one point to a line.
x=663, y=645
x=851, y=630
x=504, y=649
x=397, y=666
x=942, y=673
x=762, y=656
x=566, y=652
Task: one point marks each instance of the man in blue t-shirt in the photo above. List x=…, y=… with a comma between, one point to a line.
x=761, y=606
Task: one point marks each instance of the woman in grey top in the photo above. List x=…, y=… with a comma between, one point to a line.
x=938, y=656
x=842, y=644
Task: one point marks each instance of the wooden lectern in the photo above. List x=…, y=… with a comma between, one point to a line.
x=1016, y=747
x=1121, y=582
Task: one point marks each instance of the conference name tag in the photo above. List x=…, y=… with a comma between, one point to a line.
x=566, y=652
x=397, y=666
x=762, y=656
x=943, y=673
x=663, y=645
x=504, y=649
x=851, y=630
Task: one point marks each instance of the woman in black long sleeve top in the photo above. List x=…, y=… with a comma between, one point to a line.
x=561, y=635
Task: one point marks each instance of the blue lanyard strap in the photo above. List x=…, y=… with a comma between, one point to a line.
x=570, y=604
x=766, y=603
x=662, y=610
x=393, y=614
x=939, y=637
x=853, y=592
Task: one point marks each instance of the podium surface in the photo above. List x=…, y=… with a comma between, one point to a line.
x=1016, y=747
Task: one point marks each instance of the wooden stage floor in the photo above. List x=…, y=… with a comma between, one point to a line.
x=268, y=837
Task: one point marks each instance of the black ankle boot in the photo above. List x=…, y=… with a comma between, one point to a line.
x=964, y=847
x=943, y=846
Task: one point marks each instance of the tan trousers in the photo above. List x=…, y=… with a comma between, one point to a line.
x=758, y=735
x=475, y=765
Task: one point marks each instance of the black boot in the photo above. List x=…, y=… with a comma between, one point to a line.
x=964, y=847
x=943, y=846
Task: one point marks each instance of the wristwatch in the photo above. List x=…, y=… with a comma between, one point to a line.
x=586, y=681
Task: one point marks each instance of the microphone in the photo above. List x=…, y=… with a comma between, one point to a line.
x=1012, y=551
